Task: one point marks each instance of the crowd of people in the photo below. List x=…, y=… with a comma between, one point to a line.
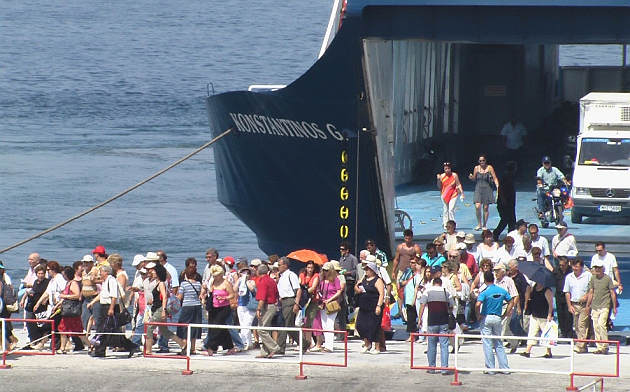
x=452, y=285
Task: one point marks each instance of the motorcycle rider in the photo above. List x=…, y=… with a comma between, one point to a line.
x=547, y=177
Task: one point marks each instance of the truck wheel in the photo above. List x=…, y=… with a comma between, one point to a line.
x=576, y=218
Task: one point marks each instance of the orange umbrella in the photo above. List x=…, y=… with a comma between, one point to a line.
x=305, y=255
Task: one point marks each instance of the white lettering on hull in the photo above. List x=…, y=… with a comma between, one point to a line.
x=254, y=123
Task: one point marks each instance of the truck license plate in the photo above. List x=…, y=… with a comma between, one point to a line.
x=610, y=208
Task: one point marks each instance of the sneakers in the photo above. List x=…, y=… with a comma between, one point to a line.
x=526, y=355
x=375, y=351
x=548, y=355
x=603, y=351
x=365, y=350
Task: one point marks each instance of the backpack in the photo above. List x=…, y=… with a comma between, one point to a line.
x=9, y=296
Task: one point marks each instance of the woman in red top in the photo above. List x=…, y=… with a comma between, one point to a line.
x=70, y=325
x=307, y=293
x=450, y=187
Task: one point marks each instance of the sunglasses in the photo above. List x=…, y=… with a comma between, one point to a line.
x=482, y=160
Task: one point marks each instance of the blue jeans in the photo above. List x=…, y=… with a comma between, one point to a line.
x=138, y=331
x=491, y=325
x=236, y=338
x=432, y=345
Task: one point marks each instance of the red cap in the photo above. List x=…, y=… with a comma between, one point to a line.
x=99, y=249
x=229, y=260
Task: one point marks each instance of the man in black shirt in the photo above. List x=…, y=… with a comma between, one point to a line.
x=506, y=201
x=565, y=318
x=522, y=286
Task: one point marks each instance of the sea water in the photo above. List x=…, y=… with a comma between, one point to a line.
x=97, y=96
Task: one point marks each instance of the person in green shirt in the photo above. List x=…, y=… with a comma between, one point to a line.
x=601, y=296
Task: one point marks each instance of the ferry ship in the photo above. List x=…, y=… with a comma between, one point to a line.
x=318, y=161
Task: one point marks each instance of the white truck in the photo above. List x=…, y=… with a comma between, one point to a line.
x=601, y=174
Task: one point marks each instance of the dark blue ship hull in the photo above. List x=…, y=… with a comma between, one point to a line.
x=289, y=170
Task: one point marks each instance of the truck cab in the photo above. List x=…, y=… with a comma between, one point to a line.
x=601, y=175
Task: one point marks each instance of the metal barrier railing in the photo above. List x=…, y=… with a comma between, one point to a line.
x=593, y=385
x=571, y=372
x=301, y=376
x=300, y=358
x=571, y=386
x=454, y=369
x=3, y=322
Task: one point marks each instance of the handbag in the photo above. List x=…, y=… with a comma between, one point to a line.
x=386, y=320
x=173, y=304
x=71, y=308
x=43, y=315
x=452, y=322
x=332, y=307
x=124, y=317
x=252, y=304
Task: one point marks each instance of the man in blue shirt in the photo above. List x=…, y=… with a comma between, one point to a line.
x=432, y=257
x=547, y=176
x=490, y=316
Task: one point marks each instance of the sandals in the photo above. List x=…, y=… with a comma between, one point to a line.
x=231, y=351
x=478, y=227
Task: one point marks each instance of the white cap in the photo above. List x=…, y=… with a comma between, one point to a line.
x=137, y=259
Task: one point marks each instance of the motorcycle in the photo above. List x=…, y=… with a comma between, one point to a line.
x=556, y=200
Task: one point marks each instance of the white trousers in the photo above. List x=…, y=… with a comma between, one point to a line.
x=245, y=318
x=328, y=323
x=448, y=211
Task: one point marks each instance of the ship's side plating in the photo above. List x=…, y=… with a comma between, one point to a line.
x=301, y=168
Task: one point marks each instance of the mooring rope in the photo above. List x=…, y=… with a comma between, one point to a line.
x=55, y=227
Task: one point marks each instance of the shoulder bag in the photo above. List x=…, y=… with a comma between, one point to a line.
x=8, y=297
x=452, y=322
x=332, y=306
x=70, y=307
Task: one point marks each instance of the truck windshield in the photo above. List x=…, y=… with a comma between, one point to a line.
x=605, y=152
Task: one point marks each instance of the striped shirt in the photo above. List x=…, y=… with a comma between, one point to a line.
x=191, y=292
x=438, y=300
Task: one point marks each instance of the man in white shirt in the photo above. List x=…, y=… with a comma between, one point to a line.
x=505, y=253
x=513, y=134
x=171, y=271
x=539, y=242
x=212, y=257
x=609, y=261
x=513, y=137
x=288, y=285
x=109, y=298
x=27, y=283
x=576, y=292
x=517, y=234
x=563, y=242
